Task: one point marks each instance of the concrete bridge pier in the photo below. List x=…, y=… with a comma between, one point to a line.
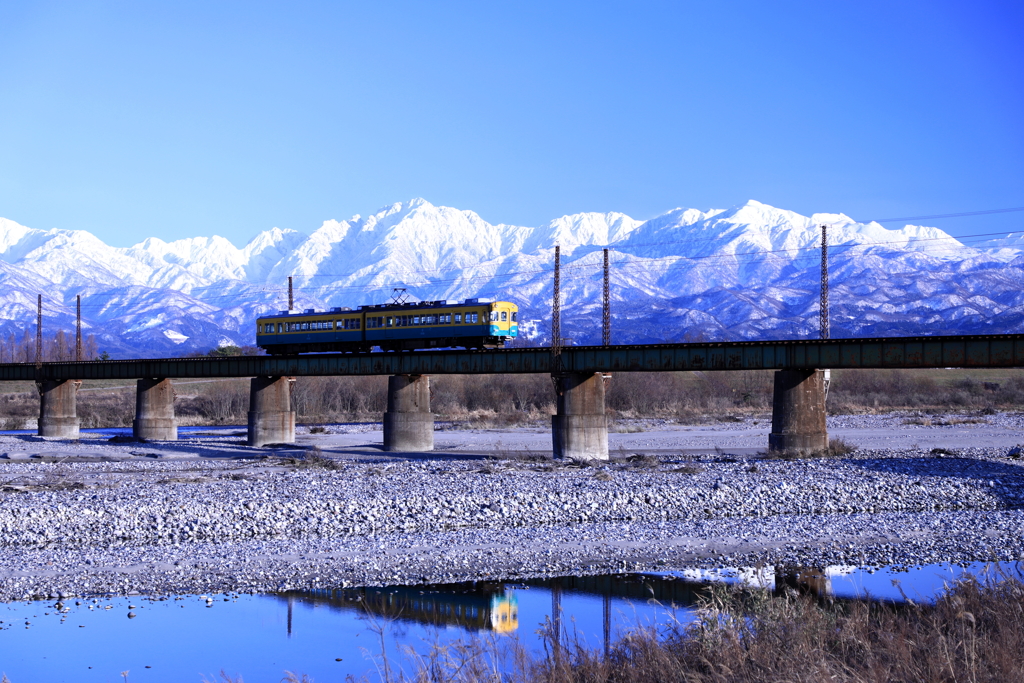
x=154, y=410
x=408, y=422
x=798, y=412
x=271, y=418
x=58, y=408
x=579, y=428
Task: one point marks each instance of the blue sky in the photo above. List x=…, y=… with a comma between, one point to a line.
x=195, y=118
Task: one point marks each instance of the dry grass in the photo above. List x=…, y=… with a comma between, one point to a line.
x=313, y=458
x=975, y=632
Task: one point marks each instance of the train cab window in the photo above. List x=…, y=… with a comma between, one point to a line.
x=513, y=316
x=504, y=316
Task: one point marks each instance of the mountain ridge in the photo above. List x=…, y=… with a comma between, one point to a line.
x=745, y=272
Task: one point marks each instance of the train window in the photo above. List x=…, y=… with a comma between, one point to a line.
x=513, y=316
x=305, y=326
x=415, y=320
x=279, y=327
x=391, y=321
x=358, y=322
x=504, y=316
x=380, y=321
x=458, y=318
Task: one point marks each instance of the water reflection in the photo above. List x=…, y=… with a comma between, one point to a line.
x=474, y=607
x=328, y=634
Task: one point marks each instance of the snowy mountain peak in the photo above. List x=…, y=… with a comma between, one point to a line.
x=744, y=272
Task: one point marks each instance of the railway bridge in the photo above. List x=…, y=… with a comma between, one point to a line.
x=579, y=426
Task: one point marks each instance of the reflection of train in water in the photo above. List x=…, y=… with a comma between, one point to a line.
x=483, y=607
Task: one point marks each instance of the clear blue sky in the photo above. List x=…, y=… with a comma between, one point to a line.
x=175, y=119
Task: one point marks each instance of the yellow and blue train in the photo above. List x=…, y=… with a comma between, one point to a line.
x=472, y=324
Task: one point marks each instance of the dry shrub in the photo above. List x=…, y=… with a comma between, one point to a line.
x=336, y=399
x=315, y=459
x=99, y=409
x=218, y=402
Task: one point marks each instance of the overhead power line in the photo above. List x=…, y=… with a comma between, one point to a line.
x=947, y=215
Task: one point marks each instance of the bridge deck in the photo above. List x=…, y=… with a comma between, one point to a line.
x=965, y=351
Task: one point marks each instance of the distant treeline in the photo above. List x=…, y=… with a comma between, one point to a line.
x=59, y=347
x=501, y=400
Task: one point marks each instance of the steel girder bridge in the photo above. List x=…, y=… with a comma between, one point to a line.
x=960, y=351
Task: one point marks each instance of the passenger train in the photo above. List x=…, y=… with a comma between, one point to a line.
x=475, y=323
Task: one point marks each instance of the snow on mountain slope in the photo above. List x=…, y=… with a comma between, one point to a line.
x=746, y=272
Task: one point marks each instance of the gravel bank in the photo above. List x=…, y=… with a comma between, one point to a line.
x=138, y=524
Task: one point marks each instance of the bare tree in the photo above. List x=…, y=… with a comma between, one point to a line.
x=60, y=349
x=89, y=350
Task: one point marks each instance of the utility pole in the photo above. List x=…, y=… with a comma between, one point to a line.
x=39, y=331
x=291, y=299
x=823, y=312
x=556, y=318
x=78, y=329
x=606, y=318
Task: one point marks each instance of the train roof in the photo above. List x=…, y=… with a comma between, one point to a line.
x=408, y=306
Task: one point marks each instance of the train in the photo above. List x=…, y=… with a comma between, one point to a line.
x=471, y=324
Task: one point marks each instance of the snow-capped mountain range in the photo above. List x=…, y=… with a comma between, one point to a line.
x=744, y=273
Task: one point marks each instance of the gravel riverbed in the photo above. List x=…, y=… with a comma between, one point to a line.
x=101, y=518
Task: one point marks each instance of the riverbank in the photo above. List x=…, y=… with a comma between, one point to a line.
x=210, y=514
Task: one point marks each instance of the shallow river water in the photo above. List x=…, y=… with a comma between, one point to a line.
x=328, y=634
